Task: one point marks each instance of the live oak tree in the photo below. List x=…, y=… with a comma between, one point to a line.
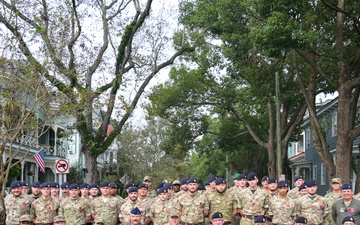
x=231, y=80
x=99, y=54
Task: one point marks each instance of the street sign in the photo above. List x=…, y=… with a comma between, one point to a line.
x=62, y=166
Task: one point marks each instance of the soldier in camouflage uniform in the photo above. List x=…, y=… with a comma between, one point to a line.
x=302, y=190
x=113, y=192
x=176, y=186
x=253, y=201
x=134, y=217
x=191, y=205
x=272, y=185
x=75, y=209
x=131, y=203
x=161, y=208
x=209, y=192
x=84, y=191
x=294, y=193
x=44, y=209
x=25, y=219
x=332, y=197
x=35, y=190
x=64, y=190
x=222, y=201
x=264, y=183
x=54, y=190
x=217, y=218
x=94, y=191
x=151, y=192
x=183, y=187
x=312, y=206
x=174, y=218
x=282, y=207
x=25, y=187
x=143, y=200
x=105, y=207
x=16, y=204
x=240, y=184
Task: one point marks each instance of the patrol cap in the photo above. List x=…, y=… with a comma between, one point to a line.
x=192, y=180
x=336, y=180
x=346, y=187
x=25, y=218
x=174, y=213
x=241, y=176
x=143, y=185
x=135, y=211
x=36, y=184
x=84, y=185
x=24, y=184
x=310, y=183
x=15, y=184
x=252, y=176
x=73, y=186
x=297, y=177
x=183, y=181
x=176, y=182
x=303, y=186
x=65, y=185
x=282, y=184
x=168, y=185
x=129, y=184
x=348, y=219
x=162, y=190
x=94, y=186
x=105, y=184
x=113, y=185
x=161, y=185
x=212, y=178
x=220, y=180
x=272, y=181
x=59, y=219
x=54, y=185
x=147, y=178
x=217, y=215
x=301, y=220
x=235, y=177
x=259, y=219
x=45, y=185
x=264, y=178
x=133, y=189
x=99, y=221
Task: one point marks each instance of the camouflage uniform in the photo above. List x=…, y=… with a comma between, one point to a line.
x=253, y=204
x=129, y=205
x=192, y=208
x=282, y=210
x=159, y=212
x=313, y=210
x=75, y=210
x=294, y=193
x=224, y=203
x=106, y=209
x=331, y=198
x=16, y=207
x=43, y=210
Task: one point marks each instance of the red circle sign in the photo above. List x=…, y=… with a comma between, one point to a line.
x=62, y=166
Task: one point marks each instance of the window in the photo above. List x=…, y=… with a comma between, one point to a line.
x=307, y=137
x=323, y=174
x=334, y=124
x=314, y=175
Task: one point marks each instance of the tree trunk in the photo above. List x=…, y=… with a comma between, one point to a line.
x=91, y=176
x=344, y=142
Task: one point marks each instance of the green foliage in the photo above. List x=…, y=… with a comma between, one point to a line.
x=75, y=176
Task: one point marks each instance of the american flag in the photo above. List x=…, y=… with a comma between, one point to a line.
x=39, y=158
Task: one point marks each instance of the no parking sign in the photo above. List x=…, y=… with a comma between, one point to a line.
x=62, y=166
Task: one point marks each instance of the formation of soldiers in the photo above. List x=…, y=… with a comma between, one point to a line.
x=181, y=202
